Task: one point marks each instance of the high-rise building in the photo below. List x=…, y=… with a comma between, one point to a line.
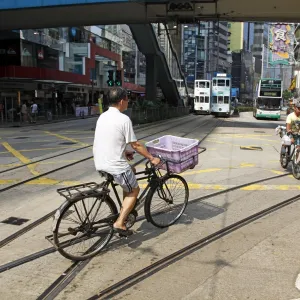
x=204, y=50
x=248, y=36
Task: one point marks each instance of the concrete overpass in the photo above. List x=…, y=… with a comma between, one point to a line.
x=22, y=14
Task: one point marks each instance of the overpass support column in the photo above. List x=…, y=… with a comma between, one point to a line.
x=151, y=77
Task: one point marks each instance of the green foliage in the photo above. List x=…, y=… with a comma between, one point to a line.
x=245, y=108
x=286, y=95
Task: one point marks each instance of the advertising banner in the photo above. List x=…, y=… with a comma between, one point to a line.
x=281, y=44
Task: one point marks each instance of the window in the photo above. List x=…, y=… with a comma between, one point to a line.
x=202, y=84
x=201, y=99
x=221, y=82
x=215, y=99
x=214, y=82
x=197, y=99
x=220, y=99
x=226, y=99
x=227, y=82
x=207, y=84
x=206, y=99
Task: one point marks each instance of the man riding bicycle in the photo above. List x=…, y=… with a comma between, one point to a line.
x=113, y=132
x=293, y=123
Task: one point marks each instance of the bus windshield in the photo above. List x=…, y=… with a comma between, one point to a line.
x=268, y=103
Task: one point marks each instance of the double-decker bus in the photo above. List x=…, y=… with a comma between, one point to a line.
x=221, y=95
x=267, y=102
x=202, y=97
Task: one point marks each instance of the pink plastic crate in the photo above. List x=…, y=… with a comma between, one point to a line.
x=181, y=153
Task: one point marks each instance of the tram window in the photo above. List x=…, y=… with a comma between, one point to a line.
x=196, y=99
x=202, y=85
x=221, y=82
x=214, y=82
x=220, y=99
x=207, y=84
x=206, y=99
x=227, y=82
x=215, y=99
x=226, y=99
x=201, y=99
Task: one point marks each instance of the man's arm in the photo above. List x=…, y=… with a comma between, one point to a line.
x=289, y=123
x=139, y=148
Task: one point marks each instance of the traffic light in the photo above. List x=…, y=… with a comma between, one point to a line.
x=110, y=81
x=118, y=80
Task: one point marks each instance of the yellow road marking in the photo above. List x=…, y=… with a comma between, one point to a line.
x=10, y=165
x=251, y=148
x=192, y=186
x=247, y=165
x=202, y=171
x=21, y=157
x=3, y=152
x=279, y=173
x=66, y=138
x=8, y=181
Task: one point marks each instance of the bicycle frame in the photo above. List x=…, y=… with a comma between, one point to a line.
x=291, y=155
x=149, y=174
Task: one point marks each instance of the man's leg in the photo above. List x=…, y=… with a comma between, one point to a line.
x=127, y=207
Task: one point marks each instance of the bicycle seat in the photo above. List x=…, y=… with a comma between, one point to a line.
x=106, y=175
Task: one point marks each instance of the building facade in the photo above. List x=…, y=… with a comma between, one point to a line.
x=64, y=68
x=204, y=50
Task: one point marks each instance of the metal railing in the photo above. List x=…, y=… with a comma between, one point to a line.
x=142, y=116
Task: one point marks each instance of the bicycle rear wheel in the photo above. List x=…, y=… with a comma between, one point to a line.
x=83, y=227
x=166, y=202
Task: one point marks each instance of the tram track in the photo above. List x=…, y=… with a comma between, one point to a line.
x=130, y=281
x=150, y=126
x=50, y=250
x=73, y=163
x=39, y=221
x=62, y=282
x=53, y=290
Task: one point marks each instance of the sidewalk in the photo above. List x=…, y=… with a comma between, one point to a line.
x=43, y=122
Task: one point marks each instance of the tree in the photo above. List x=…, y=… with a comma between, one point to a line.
x=286, y=95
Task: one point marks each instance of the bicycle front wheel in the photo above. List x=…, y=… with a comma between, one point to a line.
x=83, y=227
x=284, y=159
x=166, y=202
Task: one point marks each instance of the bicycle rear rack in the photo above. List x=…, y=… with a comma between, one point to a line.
x=80, y=191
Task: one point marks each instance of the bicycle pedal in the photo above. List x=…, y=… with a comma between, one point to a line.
x=123, y=236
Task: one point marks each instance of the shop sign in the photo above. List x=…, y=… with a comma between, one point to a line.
x=281, y=44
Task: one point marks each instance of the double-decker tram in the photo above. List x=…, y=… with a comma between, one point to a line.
x=221, y=95
x=202, y=97
x=267, y=102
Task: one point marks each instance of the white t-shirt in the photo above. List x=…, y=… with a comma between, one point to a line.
x=113, y=131
x=34, y=108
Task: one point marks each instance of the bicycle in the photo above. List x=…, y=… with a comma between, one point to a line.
x=88, y=227
x=286, y=155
